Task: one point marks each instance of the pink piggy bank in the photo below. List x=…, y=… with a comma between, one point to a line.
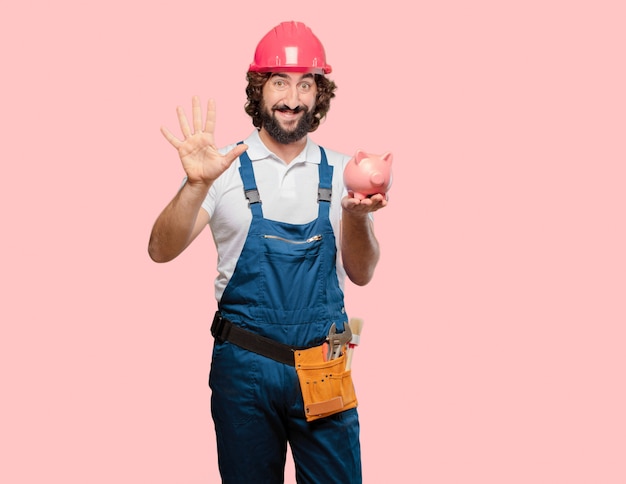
x=367, y=174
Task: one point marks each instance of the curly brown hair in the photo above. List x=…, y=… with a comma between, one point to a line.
x=256, y=80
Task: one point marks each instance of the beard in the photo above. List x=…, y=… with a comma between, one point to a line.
x=283, y=136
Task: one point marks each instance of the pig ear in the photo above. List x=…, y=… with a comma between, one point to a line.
x=359, y=155
x=388, y=157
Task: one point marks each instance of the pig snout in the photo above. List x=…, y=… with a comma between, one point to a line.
x=377, y=179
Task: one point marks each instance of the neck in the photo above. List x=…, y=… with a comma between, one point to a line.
x=286, y=152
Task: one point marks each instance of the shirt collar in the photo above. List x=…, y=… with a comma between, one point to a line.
x=258, y=151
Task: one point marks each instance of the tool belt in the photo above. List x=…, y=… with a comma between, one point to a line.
x=326, y=385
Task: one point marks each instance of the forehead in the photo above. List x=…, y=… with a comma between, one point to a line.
x=293, y=76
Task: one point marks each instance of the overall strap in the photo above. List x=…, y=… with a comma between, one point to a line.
x=249, y=184
x=324, y=190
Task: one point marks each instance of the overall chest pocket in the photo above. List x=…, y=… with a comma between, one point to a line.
x=292, y=272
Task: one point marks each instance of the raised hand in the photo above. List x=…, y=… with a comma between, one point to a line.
x=201, y=160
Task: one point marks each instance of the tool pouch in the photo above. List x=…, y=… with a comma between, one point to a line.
x=326, y=386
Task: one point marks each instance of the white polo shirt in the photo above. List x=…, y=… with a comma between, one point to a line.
x=288, y=194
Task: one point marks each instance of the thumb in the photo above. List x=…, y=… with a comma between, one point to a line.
x=235, y=153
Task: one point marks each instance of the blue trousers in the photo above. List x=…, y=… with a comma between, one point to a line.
x=257, y=408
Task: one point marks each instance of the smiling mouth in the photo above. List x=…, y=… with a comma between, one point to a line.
x=286, y=110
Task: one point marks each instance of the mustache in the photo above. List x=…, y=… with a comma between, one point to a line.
x=285, y=108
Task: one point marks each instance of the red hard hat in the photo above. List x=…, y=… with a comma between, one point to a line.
x=290, y=46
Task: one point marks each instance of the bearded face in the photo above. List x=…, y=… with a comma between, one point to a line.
x=276, y=121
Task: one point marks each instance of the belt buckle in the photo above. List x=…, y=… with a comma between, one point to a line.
x=218, y=326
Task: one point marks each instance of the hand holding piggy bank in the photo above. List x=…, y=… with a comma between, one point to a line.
x=367, y=174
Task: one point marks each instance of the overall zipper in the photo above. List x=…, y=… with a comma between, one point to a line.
x=307, y=241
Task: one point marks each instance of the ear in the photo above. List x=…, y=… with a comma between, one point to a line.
x=388, y=157
x=360, y=155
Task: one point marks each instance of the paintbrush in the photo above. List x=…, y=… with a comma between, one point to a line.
x=356, y=325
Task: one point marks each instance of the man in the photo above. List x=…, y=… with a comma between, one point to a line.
x=278, y=212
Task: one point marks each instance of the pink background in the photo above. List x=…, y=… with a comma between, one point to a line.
x=493, y=346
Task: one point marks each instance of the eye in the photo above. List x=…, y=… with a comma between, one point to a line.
x=305, y=86
x=279, y=84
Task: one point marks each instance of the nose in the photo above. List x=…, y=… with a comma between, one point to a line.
x=292, y=97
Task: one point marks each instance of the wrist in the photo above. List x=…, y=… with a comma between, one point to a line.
x=355, y=216
x=198, y=188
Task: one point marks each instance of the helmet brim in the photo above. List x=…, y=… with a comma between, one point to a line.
x=312, y=70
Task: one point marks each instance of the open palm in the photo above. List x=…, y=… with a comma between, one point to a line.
x=201, y=160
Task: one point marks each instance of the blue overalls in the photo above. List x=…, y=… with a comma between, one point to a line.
x=285, y=288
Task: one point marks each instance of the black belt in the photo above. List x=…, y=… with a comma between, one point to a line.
x=224, y=330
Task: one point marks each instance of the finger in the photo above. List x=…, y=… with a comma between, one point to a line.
x=349, y=203
x=378, y=204
x=235, y=153
x=209, y=125
x=182, y=120
x=380, y=200
x=197, y=114
x=174, y=141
